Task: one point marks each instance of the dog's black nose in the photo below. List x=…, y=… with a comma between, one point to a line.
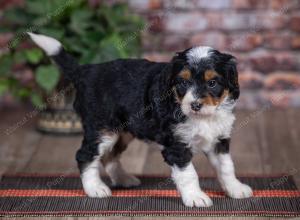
x=196, y=106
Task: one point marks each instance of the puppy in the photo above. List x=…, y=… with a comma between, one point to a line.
x=185, y=106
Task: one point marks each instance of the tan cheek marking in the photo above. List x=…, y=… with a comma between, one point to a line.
x=209, y=100
x=210, y=74
x=185, y=74
x=225, y=93
x=177, y=98
x=236, y=80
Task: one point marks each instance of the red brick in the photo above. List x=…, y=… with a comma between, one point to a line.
x=94, y=3
x=297, y=58
x=251, y=80
x=186, y=22
x=174, y=42
x=4, y=4
x=295, y=23
x=276, y=40
x=244, y=41
x=4, y=39
x=284, y=6
x=249, y=99
x=170, y=42
x=266, y=62
x=155, y=23
x=235, y=21
x=179, y=4
x=281, y=98
x=262, y=61
x=8, y=100
x=282, y=80
x=285, y=61
x=251, y=22
x=213, y=39
x=249, y=4
x=296, y=42
x=213, y=4
x=24, y=75
x=151, y=42
x=262, y=100
x=199, y=4
x=158, y=57
x=242, y=60
x=155, y=4
x=144, y=5
x=213, y=19
x=270, y=21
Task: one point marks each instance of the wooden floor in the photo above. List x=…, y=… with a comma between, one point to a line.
x=265, y=141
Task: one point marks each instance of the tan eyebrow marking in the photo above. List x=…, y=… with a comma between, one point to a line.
x=210, y=74
x=185, y=74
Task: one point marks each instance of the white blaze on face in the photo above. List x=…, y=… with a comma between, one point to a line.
x=208, y=109
x=198, y=53
x=186, y=102
x=186, y=105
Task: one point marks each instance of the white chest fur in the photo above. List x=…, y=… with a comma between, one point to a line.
x=202, y=133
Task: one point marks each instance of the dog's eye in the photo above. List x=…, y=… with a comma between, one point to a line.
x=185, y=84
x=211, y=83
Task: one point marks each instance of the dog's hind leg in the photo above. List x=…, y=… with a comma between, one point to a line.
x=113, y=166
x=94, y=147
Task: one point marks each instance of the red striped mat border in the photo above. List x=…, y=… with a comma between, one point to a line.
x=134, y=193
x=41, y=195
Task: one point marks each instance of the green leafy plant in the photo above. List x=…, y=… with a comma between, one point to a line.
x=91, y=34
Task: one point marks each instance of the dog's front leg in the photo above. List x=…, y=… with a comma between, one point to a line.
x=187, y=183
x=220, y=159
x=185, y=176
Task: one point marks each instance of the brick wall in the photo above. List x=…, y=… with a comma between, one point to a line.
x=263, y=34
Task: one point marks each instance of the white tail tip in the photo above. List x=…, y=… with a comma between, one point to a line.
x=50, y=45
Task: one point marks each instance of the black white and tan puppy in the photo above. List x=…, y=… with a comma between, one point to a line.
x=184, y=106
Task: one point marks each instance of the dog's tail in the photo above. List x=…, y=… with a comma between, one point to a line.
x=54, y=49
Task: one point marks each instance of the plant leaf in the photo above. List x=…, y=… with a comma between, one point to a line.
x=23, y=92
x=110, y=49
x=47, y=77
x=17, y=16
x=57, y=33
x=37, y=7
x=4, y=84
x=19, y=57
x=37, y=100
x=81, y=20
x=34, y=55
x=5, y=64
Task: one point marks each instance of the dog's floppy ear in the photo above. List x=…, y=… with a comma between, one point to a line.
x=231, y=75
x=234, y=87
x=178, y=63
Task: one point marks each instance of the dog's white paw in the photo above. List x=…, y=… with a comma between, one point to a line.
x=96, y=189
x=126, y=180
x=199, y=199
x=238, y=190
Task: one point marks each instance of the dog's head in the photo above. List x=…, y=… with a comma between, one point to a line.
x=204, y=81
